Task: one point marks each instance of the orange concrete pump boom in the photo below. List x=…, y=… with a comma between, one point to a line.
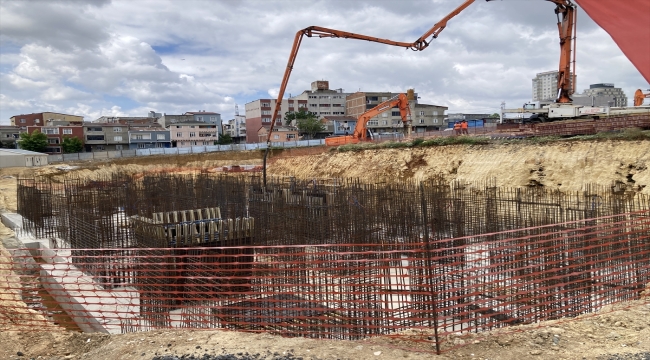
x=418, y=45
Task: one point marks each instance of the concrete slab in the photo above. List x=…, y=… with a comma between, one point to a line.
x=12, y=220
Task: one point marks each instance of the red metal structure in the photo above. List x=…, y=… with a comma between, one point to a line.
x=361, y=131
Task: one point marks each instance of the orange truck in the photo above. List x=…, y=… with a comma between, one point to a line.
x=361, y=132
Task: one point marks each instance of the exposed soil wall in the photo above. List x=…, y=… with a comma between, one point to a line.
x=567, y=166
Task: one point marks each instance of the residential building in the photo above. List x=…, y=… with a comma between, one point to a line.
x=545, y=85
x=236, y=128
x=280, y=134
x=41, y=119
x=8, y=136
x=105, y=137
x=604, y=94
x=151, y=119
x=320, y=100
x=55, y=135
x=147, y=137
x=258, y=114
x=340, y=125
x=188, y=134
x=424, y=117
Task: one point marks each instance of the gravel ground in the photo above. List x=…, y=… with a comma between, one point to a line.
x=637, y=356
x=238, y=356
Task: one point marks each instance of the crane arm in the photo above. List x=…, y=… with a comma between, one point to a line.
x=401, y=101
x=566, y=23
x=321, y=32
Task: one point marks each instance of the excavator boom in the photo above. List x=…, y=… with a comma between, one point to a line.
x=361, y=129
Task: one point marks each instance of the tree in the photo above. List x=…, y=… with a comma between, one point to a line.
x=306, y=122
x=35, y=141
x=224, y=139
x=292, y=116
x=71, y=144
x=495, y=115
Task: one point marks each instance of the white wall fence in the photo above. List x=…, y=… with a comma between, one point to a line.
x=178, y=151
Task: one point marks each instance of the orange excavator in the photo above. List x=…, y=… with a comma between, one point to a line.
x=639, y=96
x=361, y=131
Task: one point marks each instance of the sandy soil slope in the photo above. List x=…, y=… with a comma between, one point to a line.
x=566, y=165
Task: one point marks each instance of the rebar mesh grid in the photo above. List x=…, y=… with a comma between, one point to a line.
x=340, y=291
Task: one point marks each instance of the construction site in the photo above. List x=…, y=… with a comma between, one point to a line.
x=531, y=241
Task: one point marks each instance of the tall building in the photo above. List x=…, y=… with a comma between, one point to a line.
x=545, y=86
x=321, y=101
x=606, y=95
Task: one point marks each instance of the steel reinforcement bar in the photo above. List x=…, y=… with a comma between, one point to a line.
x=337, y=291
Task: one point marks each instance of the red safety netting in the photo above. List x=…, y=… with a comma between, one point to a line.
x=628, y=23
x=343, y=291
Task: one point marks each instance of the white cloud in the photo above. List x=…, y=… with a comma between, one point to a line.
x=176, y=56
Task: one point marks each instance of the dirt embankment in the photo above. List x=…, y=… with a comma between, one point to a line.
x=566, y=166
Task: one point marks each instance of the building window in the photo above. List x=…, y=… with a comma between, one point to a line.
x=384, y=122
x=421, y=113
x=373, y=123
x=435, y=112
x=94, y=129
x=313, y=105
x=37, y=121
x=179, y=134
x=266, y=112
x=159, y=145
x=313, y=97
x=99, y=147
x=199, y=118
x=53, y=149
x=141, y=137
x=51, y=131
x=195, y=143
x=160, y=136
x=213, y=118
x=435, y=121
x=421, y=121
x=118, y=147
x=384, y=98
x=117, y=138
x=384, y=115
x=94, y=137
x=142, y=146
x=395, y=113
x=301, y=106
x=117, y=129
x=67, y=131
x=275, y=137
x=291, y=136
x=192, y=134
x=52, y=140
x=178, y=126
x=266, y=105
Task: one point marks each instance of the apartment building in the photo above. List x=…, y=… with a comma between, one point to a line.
x=105, y=137
x=236, y=128
x=56, y=134
x=321, y=101
x=604, y=94
x=259, y=113
x=424, y=117
x=42, y=119
x=189, y=134
x=340, y=125
x=545, y=85
x=280, y=134
x=8, y=136
x=148, y=137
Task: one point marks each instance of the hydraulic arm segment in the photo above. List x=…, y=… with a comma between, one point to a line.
x=316, y=31
x=361, y=130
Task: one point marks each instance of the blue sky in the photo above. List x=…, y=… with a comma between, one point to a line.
x=102, y=58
